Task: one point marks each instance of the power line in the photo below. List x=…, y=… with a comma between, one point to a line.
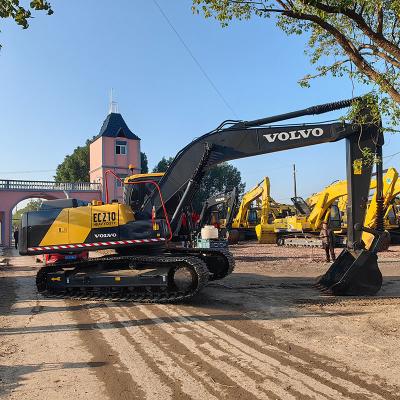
x=392, y=155
x=195, y=59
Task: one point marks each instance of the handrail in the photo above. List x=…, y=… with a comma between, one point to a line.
x=10, y=184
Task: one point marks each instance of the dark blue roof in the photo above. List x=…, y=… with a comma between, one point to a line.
x=115, y=126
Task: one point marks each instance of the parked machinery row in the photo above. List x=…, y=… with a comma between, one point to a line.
x=260, y=216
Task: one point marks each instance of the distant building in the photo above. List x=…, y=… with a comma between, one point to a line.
x=115, y=148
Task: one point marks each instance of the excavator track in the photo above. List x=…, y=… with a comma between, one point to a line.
x=220, y=263
x=139, y=294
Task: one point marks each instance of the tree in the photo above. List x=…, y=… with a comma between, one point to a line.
x=359, y=39
x=75, y=167
x=218, y=179
x=144, y=164
x=163, y=164
x=21, y=14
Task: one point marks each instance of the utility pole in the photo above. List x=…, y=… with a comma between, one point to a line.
x=294, y=180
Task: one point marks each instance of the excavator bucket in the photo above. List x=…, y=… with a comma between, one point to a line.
x=354, y=273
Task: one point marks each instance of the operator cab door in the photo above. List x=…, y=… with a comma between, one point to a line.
x=105, y=223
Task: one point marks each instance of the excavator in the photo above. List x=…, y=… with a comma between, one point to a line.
x=267, y=214
x=219, y=210
x=327, y=205
x=390, y=190
x=337, y=191
x=147, y=266
x=302, y=229
x=247, y=216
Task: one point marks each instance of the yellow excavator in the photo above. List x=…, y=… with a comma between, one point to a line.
x=247, y=215
x=330, y=205
x=148, y=265
x=303, y=229
x=265, y=212
x=391, y=188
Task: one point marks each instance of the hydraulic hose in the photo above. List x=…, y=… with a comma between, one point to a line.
x=319, y=109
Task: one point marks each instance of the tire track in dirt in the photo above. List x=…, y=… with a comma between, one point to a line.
x=146, y=378
x=255, y=382
x=248, y=390
x=323, y=365
x=343, y=385
x=283, y=369
x=182, y=385
x=123, y=381
x=193, y=364
x=267, y=369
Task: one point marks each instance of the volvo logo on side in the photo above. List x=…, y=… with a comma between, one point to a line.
x=294, y=135
x=105, y=235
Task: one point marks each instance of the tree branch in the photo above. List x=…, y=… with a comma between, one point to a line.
x=324, y=70
x=379, y=29
x=351, y=51
x=381, y=54
x=377, y=37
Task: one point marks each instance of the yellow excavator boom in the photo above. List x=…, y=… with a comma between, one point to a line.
x=391, y=187
x=240, y=220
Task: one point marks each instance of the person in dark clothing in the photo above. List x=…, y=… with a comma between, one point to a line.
x=16, y=237
x=328, y=242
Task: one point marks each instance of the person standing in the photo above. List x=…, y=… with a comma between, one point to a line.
x=16, y=237
x=328, y=242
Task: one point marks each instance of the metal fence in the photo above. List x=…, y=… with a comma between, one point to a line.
x=6, y=184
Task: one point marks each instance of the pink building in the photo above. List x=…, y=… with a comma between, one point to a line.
x=116, y=148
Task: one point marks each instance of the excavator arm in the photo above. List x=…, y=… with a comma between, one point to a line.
x=250, y=138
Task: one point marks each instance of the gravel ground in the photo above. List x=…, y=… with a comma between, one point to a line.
x=261, y=333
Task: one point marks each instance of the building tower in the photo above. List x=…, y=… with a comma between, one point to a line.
x=116, y=148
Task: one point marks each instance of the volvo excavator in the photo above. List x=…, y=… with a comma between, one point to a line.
x=147, y=267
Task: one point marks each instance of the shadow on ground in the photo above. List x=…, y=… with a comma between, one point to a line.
x=14, y=376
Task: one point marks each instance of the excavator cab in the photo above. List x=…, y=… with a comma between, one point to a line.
x=139, y=187
x=335, y=218
x=301, y=206
x=253, y=216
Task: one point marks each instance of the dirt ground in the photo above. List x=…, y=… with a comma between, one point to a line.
x=262, y=333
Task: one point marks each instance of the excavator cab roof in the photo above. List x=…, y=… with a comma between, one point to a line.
x=153, y=176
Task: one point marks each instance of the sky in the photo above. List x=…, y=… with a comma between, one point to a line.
x=56, y=77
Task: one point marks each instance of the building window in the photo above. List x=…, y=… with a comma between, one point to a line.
x=120, y=147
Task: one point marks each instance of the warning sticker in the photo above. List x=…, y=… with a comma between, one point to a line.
x=357, y=167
